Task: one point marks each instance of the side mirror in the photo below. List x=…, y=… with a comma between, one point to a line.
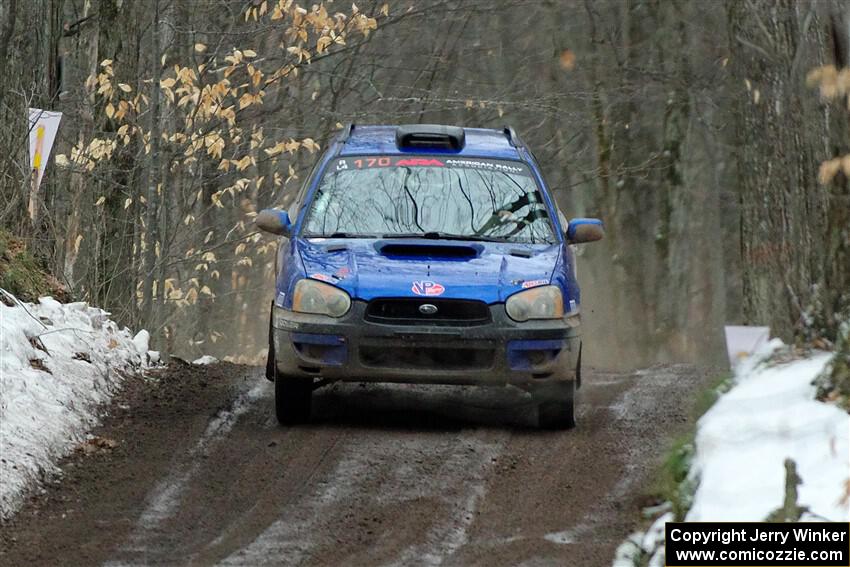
x=584, y=230
x=274, y=221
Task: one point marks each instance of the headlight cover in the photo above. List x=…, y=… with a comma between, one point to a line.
x=311, y=296
x=544, y=302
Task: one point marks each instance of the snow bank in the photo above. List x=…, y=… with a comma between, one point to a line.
x=769, y=415
x=206, y=359
x=649, y=544
x=57, y=364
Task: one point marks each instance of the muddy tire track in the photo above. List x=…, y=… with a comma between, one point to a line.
x=386, y=475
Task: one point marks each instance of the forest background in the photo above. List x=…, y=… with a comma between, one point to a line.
x=711, y=137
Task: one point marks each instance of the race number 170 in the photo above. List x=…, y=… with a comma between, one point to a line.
x=372, y=162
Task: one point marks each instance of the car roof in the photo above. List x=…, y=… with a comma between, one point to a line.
x=381, y=140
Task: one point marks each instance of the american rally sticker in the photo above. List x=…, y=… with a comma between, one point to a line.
x=424, y=287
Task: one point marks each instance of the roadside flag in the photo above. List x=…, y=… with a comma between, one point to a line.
x=43, y=126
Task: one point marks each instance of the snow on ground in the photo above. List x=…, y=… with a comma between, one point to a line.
x=206, y=359
x=650, y=542
x=743, y=440
x=768, y=415
x=58, y=363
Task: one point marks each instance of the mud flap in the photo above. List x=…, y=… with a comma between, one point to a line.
x=270, y=361
x=578, y=368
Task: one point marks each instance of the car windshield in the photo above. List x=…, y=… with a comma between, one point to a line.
x=434, y=197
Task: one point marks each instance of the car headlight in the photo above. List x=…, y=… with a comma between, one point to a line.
x=312, y=296
x=544, y=302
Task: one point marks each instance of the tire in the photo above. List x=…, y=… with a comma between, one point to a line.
x=293, y=399
x=556, y=408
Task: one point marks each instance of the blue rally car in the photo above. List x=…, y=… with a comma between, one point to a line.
x=426, y=254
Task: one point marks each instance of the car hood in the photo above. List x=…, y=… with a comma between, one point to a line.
x=449, y=269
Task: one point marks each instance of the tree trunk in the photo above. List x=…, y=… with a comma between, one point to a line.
x=153, y=179
x=782, y=129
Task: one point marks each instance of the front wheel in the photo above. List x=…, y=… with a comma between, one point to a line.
x=293, y=398
x=556, y=408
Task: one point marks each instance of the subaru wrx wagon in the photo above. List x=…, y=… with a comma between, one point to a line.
x=426, y=254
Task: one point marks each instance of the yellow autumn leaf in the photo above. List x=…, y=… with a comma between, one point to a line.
x=245, y=100
x=567, y=60
x=323, y=43
x=125, y=87
x=310, y=144
x=77, y=243
x=110, y=110
x=828, y=170
x=127, y=203
x=243, y=163
x=100, y=201
x=200, y=47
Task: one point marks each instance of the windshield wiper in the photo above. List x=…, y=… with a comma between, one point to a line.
x=433, y=235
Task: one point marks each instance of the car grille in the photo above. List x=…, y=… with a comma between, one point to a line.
x=450, y=312
x=427, y=357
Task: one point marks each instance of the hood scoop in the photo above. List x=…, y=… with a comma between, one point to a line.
x=402, y=250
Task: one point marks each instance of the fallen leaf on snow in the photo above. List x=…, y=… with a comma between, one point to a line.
x=38, y=364
x=84, y=356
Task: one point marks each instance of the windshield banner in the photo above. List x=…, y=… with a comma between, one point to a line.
x=369, y=162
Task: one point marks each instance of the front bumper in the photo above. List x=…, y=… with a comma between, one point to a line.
x=353, y=349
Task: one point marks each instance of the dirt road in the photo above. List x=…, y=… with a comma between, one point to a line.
x=387, y=475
